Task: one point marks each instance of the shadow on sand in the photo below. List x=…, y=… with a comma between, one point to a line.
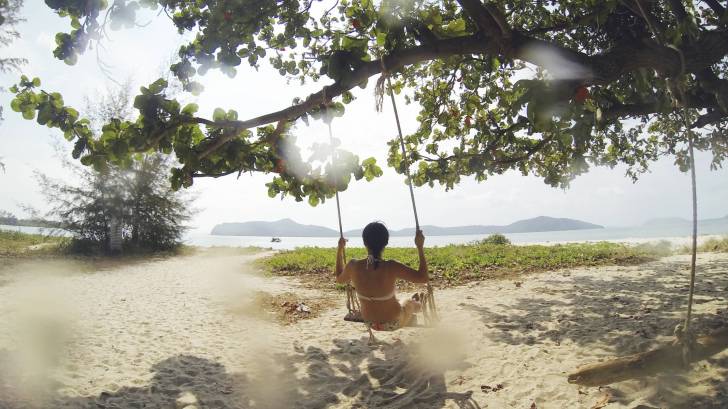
x=352, y=374
x=624, y=316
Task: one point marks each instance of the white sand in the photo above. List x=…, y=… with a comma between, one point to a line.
x=180, y=332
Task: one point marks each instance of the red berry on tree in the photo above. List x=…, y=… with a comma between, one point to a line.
x=227, y=15
x=467, y=121
x=356, y=24
x=582, y=94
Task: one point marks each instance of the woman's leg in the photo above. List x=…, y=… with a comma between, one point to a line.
x=410, y=307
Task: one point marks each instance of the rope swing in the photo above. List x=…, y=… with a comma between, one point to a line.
x=427, y=298
x=429, y=308
x=686, y=348
x=683, y=333
x=352, y=302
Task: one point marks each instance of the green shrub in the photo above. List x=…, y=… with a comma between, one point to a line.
x=15, y=243
x=496, y=238
x=660, y=248
x=715, y=245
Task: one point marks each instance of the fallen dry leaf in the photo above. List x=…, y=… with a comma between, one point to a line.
x=604, y=401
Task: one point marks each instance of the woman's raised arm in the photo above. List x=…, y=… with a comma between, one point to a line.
x=410, y=274
x=342, y=275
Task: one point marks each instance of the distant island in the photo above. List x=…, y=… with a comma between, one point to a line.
x=9, y=219
x=290, y=228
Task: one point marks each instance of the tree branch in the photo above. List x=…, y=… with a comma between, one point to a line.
x=564, y=25
x=679, y=10
x=716, y=6
x=692, y=101
x=707, y=119
x=717, y=86
x=711, y=47
x=487, y=18
x=640, y=9
x=502, y=161
x=439, y=49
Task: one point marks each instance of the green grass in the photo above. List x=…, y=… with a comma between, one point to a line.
x=16, y=244
x=461, y=263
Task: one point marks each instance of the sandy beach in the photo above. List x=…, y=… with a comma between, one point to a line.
x=184, y=332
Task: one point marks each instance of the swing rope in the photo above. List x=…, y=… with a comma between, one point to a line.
x=693, y=259
x=404, y=151
x=427, y=298
x=429, y=308
x=352, y=302
x=682, y=333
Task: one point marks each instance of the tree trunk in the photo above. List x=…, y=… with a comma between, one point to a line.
x=662, y=359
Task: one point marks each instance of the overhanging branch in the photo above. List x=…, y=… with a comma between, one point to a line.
x=716, y=6
x=711, y=47
x=488, y=18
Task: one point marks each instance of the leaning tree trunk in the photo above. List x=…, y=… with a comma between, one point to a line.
x=663, y=359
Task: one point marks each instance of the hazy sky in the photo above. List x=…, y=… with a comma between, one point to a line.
x=603, y=196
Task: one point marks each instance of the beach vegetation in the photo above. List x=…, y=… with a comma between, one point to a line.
x=456, y=264
x=711, y=245
x=496, y=238
x=18, y=244
x=715, y=245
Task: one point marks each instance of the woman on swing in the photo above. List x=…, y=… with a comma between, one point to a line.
x=374, y=280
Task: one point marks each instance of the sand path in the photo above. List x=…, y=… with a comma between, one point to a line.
x=181, y=332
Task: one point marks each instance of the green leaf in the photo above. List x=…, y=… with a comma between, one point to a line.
x=29, y=114
x=219, y=115
x=158, y=86
x=190, y=109
x=194, y=87
x=381, y=39
x=71, y=59
x=45, y=114
x=456, y=26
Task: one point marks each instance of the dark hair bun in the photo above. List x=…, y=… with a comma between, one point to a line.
x=376, y=238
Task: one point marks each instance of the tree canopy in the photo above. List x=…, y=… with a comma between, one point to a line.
x=543, y=87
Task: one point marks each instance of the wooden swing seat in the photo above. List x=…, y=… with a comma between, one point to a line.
x=355, y=316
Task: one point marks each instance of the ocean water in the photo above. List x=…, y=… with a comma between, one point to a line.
x=678, y=234
x=36, y=230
